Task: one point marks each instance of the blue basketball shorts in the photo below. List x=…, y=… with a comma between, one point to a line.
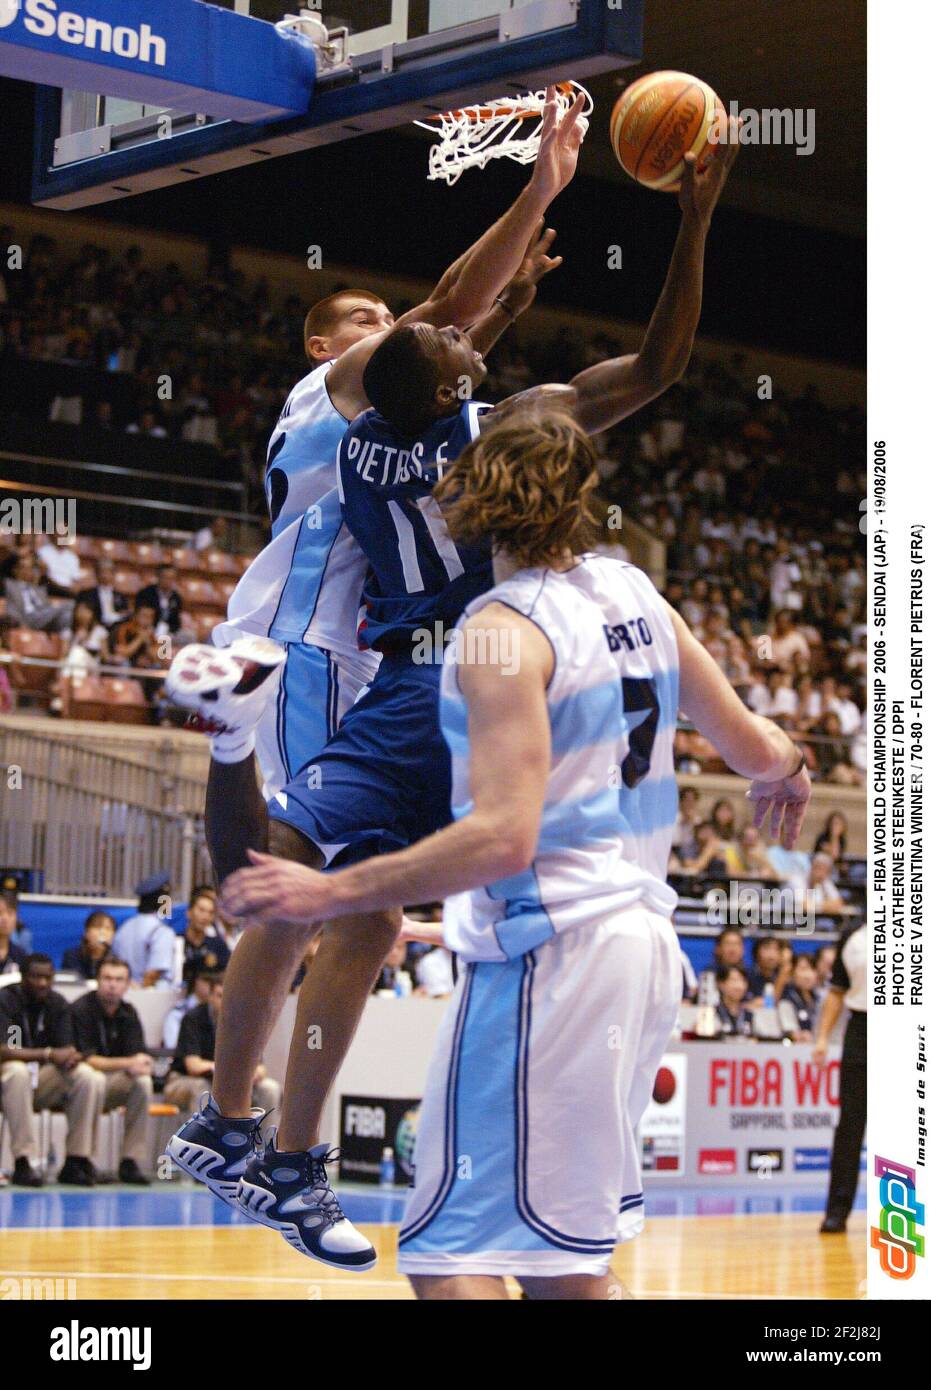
x=382, y=782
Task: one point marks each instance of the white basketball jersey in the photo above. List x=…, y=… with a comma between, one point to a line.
x=306, y=585
x=611, y=797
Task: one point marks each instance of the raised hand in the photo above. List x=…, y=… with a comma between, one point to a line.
x=701, y=187
x=522, y=290
x=560, y=142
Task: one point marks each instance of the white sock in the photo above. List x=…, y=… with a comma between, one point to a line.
x=233, y=747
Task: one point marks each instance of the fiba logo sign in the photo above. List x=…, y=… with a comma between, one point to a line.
x=9, y=9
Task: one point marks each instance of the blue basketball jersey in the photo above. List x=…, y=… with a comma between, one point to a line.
x=418, y=575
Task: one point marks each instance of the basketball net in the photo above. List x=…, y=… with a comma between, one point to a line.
x=506, y=128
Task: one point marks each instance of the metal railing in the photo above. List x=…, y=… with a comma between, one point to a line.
x=116, y=778
x=88, y=844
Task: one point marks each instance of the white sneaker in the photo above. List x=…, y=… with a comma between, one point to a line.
x=291, y=1193
x=227, y=689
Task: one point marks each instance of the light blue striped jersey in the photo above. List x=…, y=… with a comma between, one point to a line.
x=306, y=585
x=611, y=798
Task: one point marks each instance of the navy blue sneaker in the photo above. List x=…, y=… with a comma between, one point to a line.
x=214, y=1149
x=291, y=1193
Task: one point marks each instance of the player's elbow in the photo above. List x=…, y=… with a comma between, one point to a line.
x=661, y=372
x=515, y=847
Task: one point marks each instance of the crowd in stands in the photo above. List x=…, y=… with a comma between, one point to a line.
x=754, y=492
x=90, y=1055
x=778, y=975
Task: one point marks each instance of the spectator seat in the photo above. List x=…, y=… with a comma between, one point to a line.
x=33, y=680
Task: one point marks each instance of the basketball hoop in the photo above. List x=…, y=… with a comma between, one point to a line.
x=508, y=128
x=330, y=45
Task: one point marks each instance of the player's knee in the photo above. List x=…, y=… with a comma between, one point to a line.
x=382, y=928
x=371, y=934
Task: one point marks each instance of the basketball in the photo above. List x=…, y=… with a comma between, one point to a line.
x=657, y=121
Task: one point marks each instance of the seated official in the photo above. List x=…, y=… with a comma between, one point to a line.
x=198, y=992
x=202, y=947
x=801, y=993
x=729, y=947
x=35, y=1028
x=192, y=1067
x=11, y=955
x=735, y=1020
x=108, y=1033
x=83, y=960
x=767, y=958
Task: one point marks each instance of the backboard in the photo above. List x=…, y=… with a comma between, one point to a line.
x=404, y=60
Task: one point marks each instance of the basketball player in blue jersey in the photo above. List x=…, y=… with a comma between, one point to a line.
x=553, y=875
x=382, y=781
x=304, y=590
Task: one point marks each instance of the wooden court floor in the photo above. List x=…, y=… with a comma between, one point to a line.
x=689, y=1257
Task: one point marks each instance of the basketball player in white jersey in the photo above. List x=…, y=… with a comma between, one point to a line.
x=559, y=701
x=305, y=590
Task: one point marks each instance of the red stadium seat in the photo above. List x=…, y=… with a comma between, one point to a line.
x=117, y=551
x=218, y=562
x=87, y=547
x=111, y=699
x=183, y=558
x=127, y=581
x=205, y=620
x=198, y=593
x=146, y=553
x=33, y=680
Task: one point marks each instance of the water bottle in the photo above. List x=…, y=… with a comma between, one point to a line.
x=386, y=1168
x=767, y=1024
x=706, y=1015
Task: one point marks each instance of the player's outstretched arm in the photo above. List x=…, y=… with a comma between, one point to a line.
x=754, y=747
x=509, y=741
x=467, y=290
x=519, y=293
x=612, y=390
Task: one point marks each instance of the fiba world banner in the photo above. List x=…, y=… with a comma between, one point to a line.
x=751, y=1110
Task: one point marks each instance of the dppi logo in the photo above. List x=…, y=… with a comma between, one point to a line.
x=896, y=1237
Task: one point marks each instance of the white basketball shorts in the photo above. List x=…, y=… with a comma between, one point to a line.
x=526, y=1160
